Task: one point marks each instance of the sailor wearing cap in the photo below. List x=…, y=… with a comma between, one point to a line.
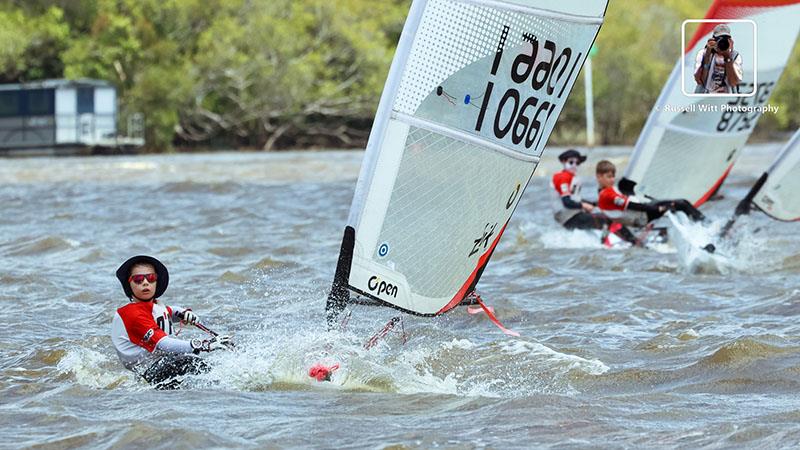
x=142, y=330
x=567, y=189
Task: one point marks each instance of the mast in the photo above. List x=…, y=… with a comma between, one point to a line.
x=339, y=294
x=745, y=205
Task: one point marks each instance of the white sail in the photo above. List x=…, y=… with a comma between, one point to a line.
x=689, y=144
x=474, y=91
x=778, y=197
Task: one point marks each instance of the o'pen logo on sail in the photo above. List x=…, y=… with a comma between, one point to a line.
x=379, y=287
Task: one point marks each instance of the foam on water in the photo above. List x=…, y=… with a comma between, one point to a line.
x=503, y=369
x=690, y=238
x=555, y=236
x=565, y=362
x=745, y=253
x=90, y=368
x=563, y=238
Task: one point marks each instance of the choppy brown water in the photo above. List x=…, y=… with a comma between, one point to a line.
x=619, y=348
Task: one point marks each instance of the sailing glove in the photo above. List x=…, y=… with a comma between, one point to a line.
x=188, y=317
x=209, y=345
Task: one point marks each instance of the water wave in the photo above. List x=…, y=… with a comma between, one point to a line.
x=29, y=246
x=182, y=187
x=91, y=368
x=504, y=369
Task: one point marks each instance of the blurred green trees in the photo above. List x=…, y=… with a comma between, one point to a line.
x=638, y=46
x=304, y=73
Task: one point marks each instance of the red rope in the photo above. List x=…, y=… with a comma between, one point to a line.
x=383, y=332
x=493, y=318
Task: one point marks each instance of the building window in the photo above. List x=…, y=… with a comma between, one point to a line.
x=41, y=102
x=9, y=104
x=85, y=100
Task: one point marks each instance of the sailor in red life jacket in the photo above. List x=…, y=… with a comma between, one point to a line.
x=141, y=330
x=570, y=210
x=620, y=207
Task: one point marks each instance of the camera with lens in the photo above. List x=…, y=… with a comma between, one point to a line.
x=723, y=43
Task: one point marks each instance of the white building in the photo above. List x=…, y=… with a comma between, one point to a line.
x=62, y=116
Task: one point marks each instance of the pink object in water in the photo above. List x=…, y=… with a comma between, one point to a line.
x=322, y=372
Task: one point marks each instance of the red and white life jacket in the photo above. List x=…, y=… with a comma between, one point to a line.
x=565, y=183
x=138, y=327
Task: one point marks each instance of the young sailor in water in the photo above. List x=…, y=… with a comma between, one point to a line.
x=620, y=207
x=141, y=330
x=571, y=211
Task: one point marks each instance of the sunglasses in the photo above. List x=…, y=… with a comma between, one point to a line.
x=139, y=279
x=573, y=162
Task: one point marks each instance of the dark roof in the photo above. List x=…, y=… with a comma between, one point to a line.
x=55, y=83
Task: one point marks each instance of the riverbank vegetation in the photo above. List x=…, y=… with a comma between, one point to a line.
x=273, y=74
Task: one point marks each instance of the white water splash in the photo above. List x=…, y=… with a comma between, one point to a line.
x=558, y=237
x=565, y=361
x=91, y=368
x=461, y=367
x=730, y=255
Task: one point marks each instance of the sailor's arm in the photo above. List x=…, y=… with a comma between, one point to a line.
x=569, y=203
x=169, y=344
x=733, y=70
x=703, y=63
x=185, y=315
x=646, y=207
x=701, y=74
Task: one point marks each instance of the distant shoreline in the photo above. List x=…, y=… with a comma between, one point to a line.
x=765, y=137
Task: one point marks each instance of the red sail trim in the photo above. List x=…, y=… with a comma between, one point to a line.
x=714, y=188
x=733, y=9
x=482, y=261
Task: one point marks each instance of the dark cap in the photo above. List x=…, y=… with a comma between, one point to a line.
x=571, y=153
x=124, y=272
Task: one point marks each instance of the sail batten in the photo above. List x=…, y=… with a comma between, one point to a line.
x=466, y=137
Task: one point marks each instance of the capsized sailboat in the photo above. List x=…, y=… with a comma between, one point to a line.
x=689, y=144
x=473, y=93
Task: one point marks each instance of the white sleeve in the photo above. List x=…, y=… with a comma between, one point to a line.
x=119, y=336
x=129, y=353
x=698, y=60
x=169, y=344
x=737, y=67
x=177, y=311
